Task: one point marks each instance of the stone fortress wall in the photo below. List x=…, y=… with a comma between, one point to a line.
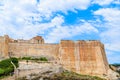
x=84, y=57
x=33, y=47
x=4, y=45
x=36, y=50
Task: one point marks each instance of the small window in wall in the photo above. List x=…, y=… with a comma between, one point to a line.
x=15, y=41
x=38, y=41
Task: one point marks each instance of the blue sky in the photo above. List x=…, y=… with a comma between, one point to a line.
x=64, y=19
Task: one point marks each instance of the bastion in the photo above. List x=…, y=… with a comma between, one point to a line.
x=83, y=57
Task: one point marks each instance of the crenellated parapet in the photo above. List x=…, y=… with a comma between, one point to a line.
x=37, y=39
x=34, y=40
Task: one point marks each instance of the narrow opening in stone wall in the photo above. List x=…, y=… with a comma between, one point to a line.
x=38, y=41
x=15, y=41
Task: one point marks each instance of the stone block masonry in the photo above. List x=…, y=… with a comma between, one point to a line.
x=84, y=57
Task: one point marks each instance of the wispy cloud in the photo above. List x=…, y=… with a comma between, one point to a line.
x=111, y=36
x=26, y=18
x=60, y=31
x=102, y=2
x=105, y=2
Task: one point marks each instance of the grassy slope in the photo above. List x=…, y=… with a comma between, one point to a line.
x=66, y=75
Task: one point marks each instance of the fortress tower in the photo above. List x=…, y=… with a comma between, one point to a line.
x=4, y=40
x=84, y=57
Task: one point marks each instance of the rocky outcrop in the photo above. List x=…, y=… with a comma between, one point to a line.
x=49, y=71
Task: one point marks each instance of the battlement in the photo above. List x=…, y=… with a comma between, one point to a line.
x=34, y=40
x=84, y=43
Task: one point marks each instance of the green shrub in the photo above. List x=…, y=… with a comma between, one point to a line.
x=36, y=59
x=8, y=70
x=43, y=59
x=6, y=66
x=15, y=61
x=26, y=58
x=1, y=71
x=5, y=63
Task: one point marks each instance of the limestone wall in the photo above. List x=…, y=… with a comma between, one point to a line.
x=67, y=57
x=1, y=46
x=84, y=57
x=27, y=49
x=4, y=46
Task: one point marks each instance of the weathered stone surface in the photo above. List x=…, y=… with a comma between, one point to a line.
x=4, y=46
x=26, y=49
x=84, y=57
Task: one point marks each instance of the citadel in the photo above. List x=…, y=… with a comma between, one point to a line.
x=84, y=57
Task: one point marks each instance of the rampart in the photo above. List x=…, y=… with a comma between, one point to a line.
x=36, y=50
x=84, y=57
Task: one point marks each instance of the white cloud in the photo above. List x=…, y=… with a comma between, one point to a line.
x=18, y=17
x=109, y=14
x=105, y=2
x=113, y=57
x=49, y=7
x=61, y=32
x=27, y=31
x=116, y=2
x=102, y=2
x=58, y=20
x=111, y=35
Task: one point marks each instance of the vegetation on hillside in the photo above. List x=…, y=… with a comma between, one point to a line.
x=34, y=59
x=66, y=75
x=6, y=66
x=116, y=66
